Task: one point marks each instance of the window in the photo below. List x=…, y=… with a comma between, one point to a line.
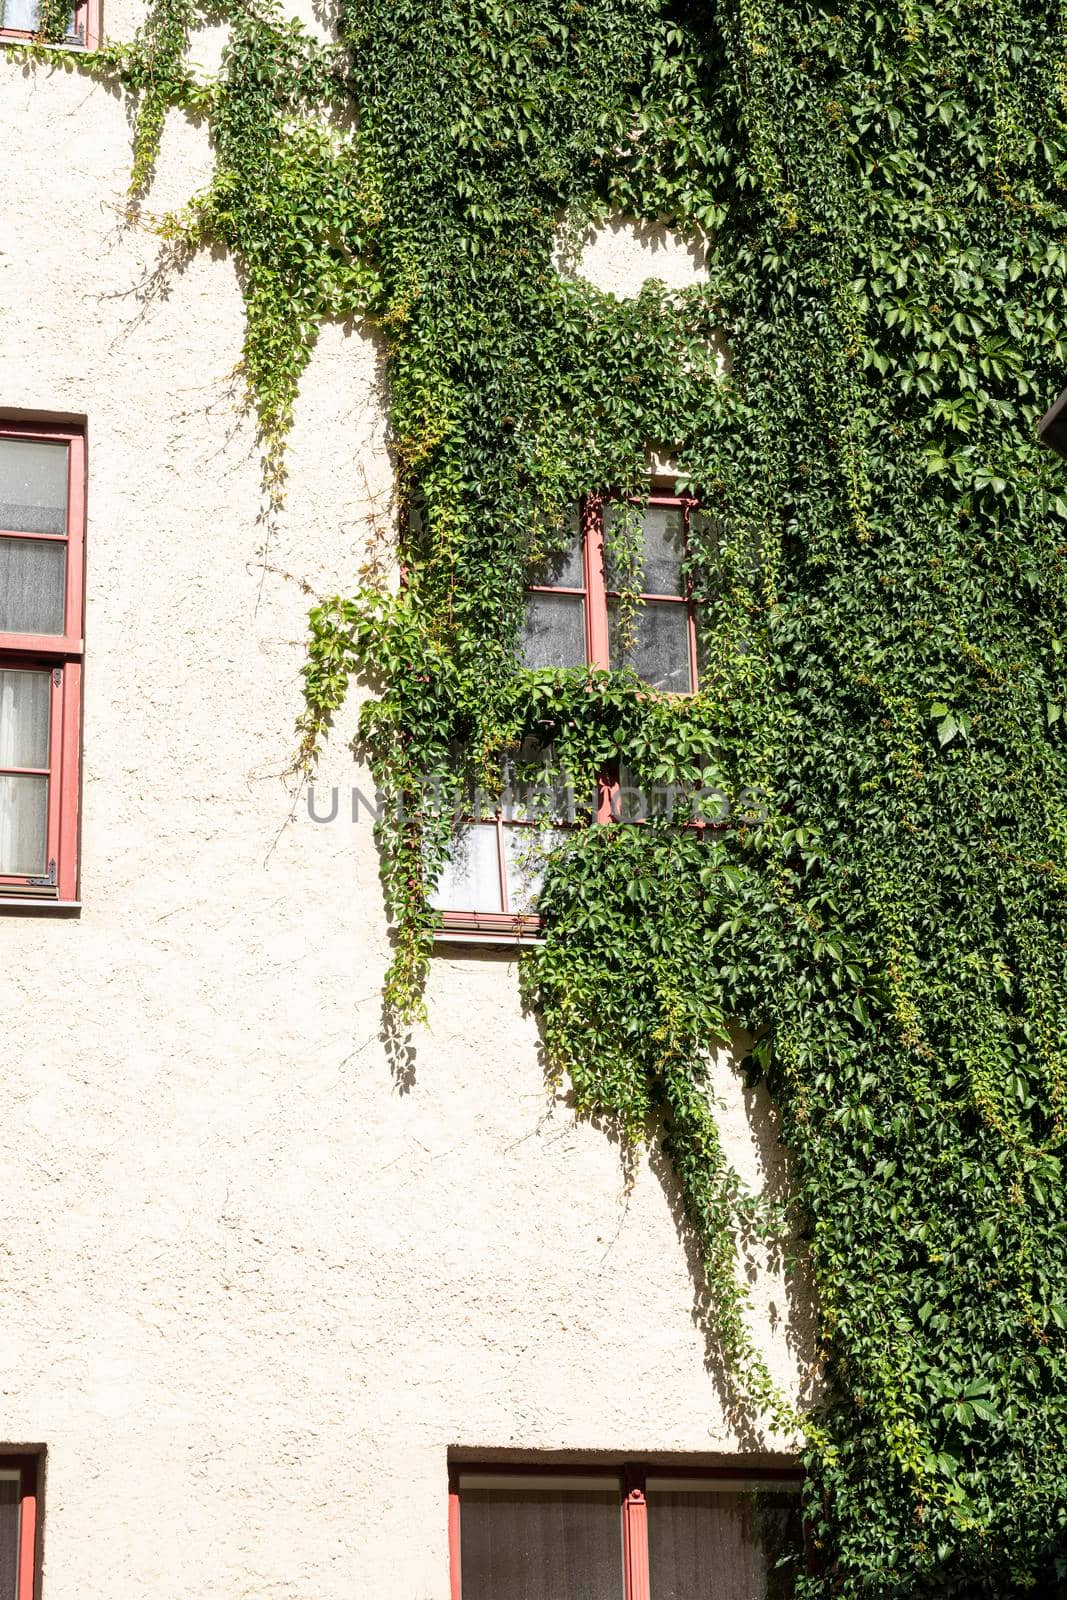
x=21, y=19
x=18, y=1527
x=42, y=522
x=572, y=610
x=637, y=1533
x=489, y=886
x=488, y=889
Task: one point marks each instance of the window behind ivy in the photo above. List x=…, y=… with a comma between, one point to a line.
x=619, y=551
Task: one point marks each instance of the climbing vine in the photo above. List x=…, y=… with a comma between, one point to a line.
x=883, y=582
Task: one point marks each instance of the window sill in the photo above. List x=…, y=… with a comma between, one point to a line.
x=501, y=940
x=25, y=903
x=12, y=39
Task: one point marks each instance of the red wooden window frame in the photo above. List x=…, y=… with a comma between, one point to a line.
x=484, y=927
x=61, y=656
x=633, y=1503
x=26, y=1467
x=595, y=591
x=507, y=926
x=85, y=28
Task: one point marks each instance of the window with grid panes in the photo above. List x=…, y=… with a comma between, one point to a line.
x=42, y=530
x=488, y=889
x=573, y=601
x=637, y=1533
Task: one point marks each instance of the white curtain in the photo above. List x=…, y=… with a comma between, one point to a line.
x=20, y=14
x=25, y=705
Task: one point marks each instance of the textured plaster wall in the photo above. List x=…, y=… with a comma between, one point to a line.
x=251, y=1293
x=623, y=254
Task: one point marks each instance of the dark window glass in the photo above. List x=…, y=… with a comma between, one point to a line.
x=33, y=585
x=541, y=1544
x=659, y=648
x=565, y=569
x=554, y=632
x=717, y=1544
x=33, y=472
x=662, y=543
x=10, y=1496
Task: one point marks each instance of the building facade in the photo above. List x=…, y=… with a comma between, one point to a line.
x=269, y=1292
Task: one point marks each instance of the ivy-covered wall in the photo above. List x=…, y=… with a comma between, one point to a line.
x=883, y=587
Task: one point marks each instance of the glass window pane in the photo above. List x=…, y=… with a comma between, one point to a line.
x=525, y=850
x=554, y=634
x=535, y=790
x=564, y=570
x=664, y=531
x=10, y=1497
x=540, y=1544
x=25, y=712
x=663, y=543
x=622, y=522
x=659, y=651
x=22, y=16
x=701, y=798
x=23, y=824
x=33, y=474
x=33, y=586
x=470, y=880
x=716, y=1545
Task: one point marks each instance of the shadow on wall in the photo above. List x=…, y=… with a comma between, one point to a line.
x=752, y=1139
x=766, y=1172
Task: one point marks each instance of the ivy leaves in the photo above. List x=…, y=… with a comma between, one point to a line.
x=883, y=581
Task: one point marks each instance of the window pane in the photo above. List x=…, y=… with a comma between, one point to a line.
x=470, y=880
x=663, y=542
x=23, y=825
x=563, y=571
x=707, y=1545
x=664, y=529
x=22, y=16
x=33, y=586
x=9, y=1534
x=554, y=635
x=659, y=652
x=540, y=1544
x=25, y=710
x=535, y=791
x=33, y=475
x=525, y=850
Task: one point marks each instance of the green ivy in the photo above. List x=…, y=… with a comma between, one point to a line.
x=884, y=586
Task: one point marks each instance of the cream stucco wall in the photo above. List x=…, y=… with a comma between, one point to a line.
x=252, y=1292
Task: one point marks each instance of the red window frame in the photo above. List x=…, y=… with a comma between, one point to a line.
x=483, y=927
x=84, y=33
x=507, y=926
x=633, y=1503
x=26, y=1467
x=595, y=591
x=480, y=927
x=61, y=656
